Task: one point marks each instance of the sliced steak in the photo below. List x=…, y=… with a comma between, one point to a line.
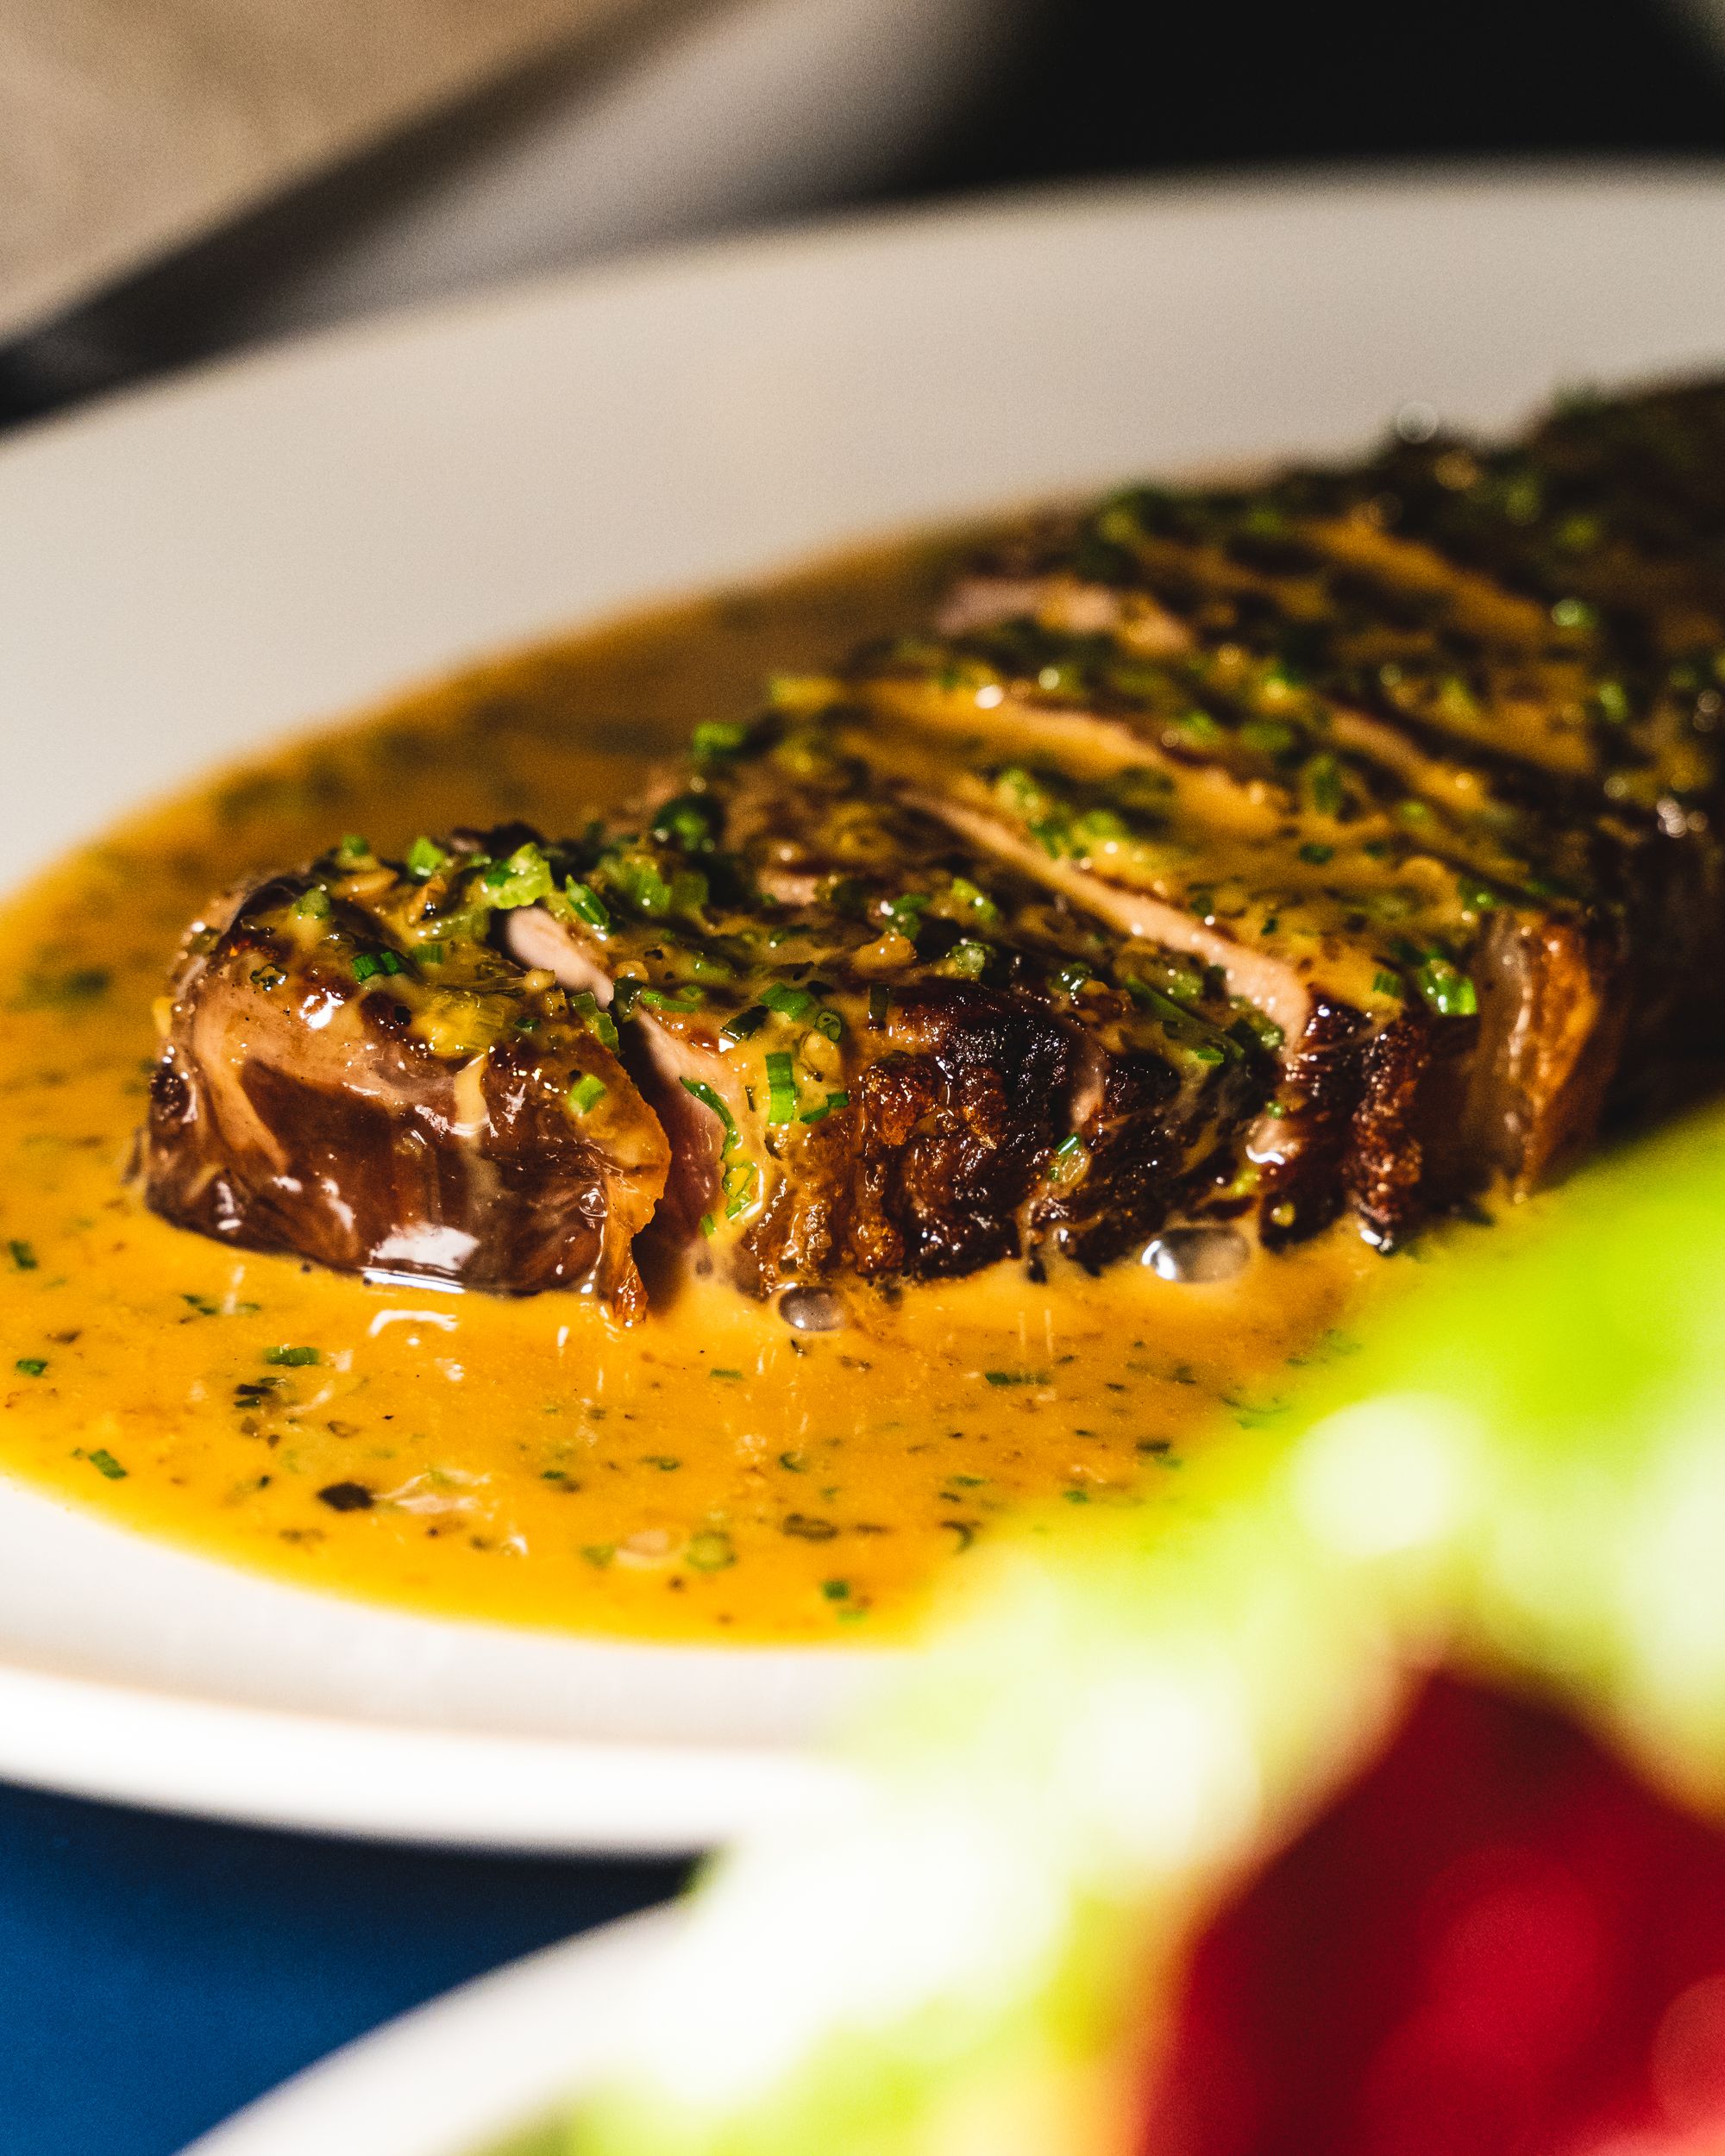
x=1346, y=842
x=352, y=1075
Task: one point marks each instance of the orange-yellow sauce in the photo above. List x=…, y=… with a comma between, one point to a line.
x=706, y=1474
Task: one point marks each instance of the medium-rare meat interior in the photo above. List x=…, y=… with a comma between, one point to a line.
x=1244, y=857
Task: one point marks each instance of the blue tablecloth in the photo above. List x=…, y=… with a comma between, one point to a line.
x=157, y=1973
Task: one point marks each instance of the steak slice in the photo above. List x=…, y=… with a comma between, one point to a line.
x=886, y=1066
x=352, y=1075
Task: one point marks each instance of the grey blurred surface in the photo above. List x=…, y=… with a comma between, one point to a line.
x=684, y=117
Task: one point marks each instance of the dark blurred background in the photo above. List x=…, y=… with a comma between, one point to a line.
x=1011, y=93
x=1105, y=86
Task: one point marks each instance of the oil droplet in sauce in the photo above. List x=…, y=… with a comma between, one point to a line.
x=728, y=1471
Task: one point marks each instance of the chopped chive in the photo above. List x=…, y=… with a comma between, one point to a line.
x=353, y=848
x=24, y=1255
x=782, y=1087
x=31, y=1365
x=789, y=1002
x=825, y=1107
x=969, y=958
x=1317, y=854
x=585, y=1094
x=718, y=737
x=1611, y=701
x=739, y=1180
x=879, y=999
x=425, y=858
x=711, y=1551
x=684, y=998
x=1323, y=783
x=1387, y=984
x=430, y=954
x=1448, y=991
x=600, y=1024
x=836, y=1590
x=312, y=905
x=708, y=1099
x=709, y=1226
x=105, y=1464
x=829, y=1024
x=975, y=898
x=293, y=1357
x=523, y=880
x=731, y=1374
x=588, y=904
x=368, y=964
x=744, y=1024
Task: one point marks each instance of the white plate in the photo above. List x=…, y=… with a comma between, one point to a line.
x=460, y=2075
x=191, y=573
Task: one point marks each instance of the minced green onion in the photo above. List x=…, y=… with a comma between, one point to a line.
x=788, y=1001
x=1070, y=1155
x=686, y=822
x=710, y=1551
x=829, y=1024
x=708, y=1099
x=369, y=962
x=585, y=1005
x=1611, y=701
x=975, y=897
x=781, y=1082
x=1387, y=984
x=744, y=1024
x=879, y=999
x=906, y=912
x=585, y=1094
x=825, y=1107
x=587, y=903
x=739, y=1180
x=31, y=1365
x=709, y=1226
x=312, y=905
x=293, y=1357
x=353, y=848
x=1323, y=783
x=1198, y=728
x=523, y=880
x=105, y=1464
x=24, y=1255
x=425, y=858
x=718, y=737
x=969, y=958
x=685, y=998
x=1448, y=991
x=1316, y=853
